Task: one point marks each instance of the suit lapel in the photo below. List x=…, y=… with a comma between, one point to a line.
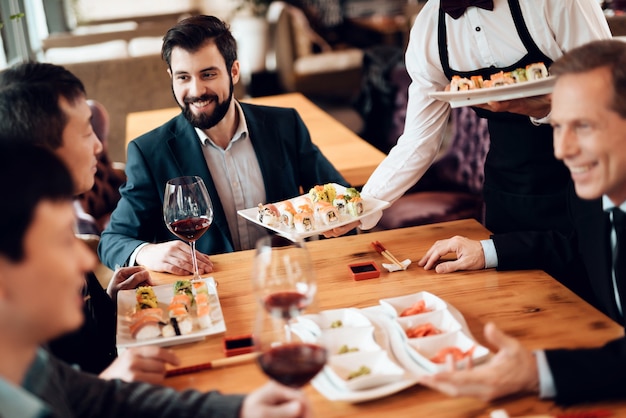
x=593, y=227
x=187, y=154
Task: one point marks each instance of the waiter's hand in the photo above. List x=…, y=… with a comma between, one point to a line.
x=537, y=107
x=172, y=257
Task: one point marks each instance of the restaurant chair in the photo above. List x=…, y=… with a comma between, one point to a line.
x=304, y=62
x=451, y=188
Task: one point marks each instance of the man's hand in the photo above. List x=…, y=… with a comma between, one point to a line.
x=172, y=257
x=276, y=401
x=128, y=278
x=145, y=364
x=512, y=370
x=341, y=230
x=469, y=254
x=537, y=107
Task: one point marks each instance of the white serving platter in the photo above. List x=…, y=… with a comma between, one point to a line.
x=126, y=301
x=370, y=206
x=496, y=94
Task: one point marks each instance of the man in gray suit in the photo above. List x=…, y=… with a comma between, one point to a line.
x=246, y=155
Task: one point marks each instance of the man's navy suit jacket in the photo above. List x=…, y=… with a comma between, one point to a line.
x=287, y=158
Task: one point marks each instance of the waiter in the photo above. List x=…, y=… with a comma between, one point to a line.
x=524, y=184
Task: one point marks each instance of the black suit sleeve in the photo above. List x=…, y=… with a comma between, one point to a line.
x=589, y=374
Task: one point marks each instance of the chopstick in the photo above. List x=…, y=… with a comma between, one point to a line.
x=222, y=362
x=383, y=251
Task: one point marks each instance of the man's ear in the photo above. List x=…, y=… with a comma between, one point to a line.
x=234, y=72
x=169, y=72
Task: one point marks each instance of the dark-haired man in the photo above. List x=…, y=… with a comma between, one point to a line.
x=246, y=155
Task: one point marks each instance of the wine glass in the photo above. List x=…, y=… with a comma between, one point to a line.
x=283, y=355
x=282, y=276
x=187, y=211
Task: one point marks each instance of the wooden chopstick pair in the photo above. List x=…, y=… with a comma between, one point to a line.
x=380, y=248
x=221, y=362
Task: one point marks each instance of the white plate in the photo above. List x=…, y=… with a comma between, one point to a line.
x=395, y=306
x=382, y=370
x=126, y=301
x=370, y=206
x=484, y=95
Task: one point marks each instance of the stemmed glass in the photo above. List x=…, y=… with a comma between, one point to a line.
x=187, y=211
x=284, y=283
x=282, y=276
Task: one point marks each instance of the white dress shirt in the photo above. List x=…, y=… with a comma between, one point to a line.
x=478, y=39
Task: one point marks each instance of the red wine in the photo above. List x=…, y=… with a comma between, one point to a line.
x=286, y=304
x=293, y=364
x=190, y=229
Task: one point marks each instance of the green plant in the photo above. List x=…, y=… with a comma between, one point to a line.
x=257, y=7
x=16, y=16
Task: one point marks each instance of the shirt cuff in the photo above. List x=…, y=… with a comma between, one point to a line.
x=541, y=121
x=132, y=261
x=546, y=380
x=370, y=221
x=491, y=256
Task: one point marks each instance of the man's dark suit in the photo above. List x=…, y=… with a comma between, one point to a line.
x=287, y=158
x=579, y=374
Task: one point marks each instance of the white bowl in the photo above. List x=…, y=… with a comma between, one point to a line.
x=441, y=320
x=353, y=339
x=381, y=369
x=334, y=318
x=395, y=306
x=422, y=350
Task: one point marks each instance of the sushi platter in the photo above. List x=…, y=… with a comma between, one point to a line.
x=153, y=315
x=339, y=214
x=495, y=94
x=371, y=354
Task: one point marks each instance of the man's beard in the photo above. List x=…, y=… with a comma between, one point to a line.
x=203, y=120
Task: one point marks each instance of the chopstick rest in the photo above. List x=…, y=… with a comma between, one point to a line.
x=394, y=267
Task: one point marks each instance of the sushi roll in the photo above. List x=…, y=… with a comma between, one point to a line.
x=287, y=211
x=355, y=206
x=461, y=83
x=318, y=194
x=268, y=214
x=145, y=298
x=303, y=204
x=145, y=328
x=519, y=75
x=303, y=221
x=536, y=71
x=340, y=203
x=477, y=80
x=203, y=310
x=199, y=286
x=331, y=192
x=329, y=215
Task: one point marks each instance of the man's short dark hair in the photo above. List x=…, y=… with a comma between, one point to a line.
x=194, y=32
x=30, y=174
x=610, y=54
x=29, y=102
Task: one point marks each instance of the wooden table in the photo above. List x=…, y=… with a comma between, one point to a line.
x=353, y=157
x=530, y=305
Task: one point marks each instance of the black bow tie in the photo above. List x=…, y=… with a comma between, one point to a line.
x=456, y=8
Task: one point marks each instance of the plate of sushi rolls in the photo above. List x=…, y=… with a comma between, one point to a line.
x=185, y=311
x=323, y=208
x=533, y=80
